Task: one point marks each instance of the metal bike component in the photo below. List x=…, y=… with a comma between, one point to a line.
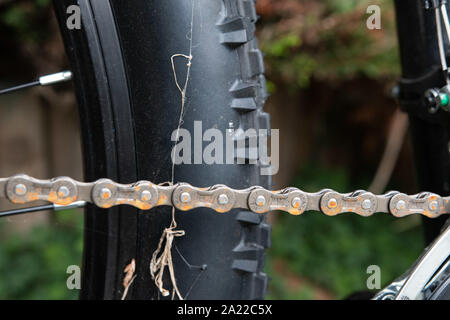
x=445, y=18
x=426, y=267
x=439, y=7
x=426, y=278
x=14, y=212
x=439, y=35
x=54, y=207
x=443, y=291
x=55, y=78
x=391, y=291
x=444, y=94
x=43, y=81
x=105, y=193
x=436, y=99
x=441, y=276
x=19, y=87
x=74, y=205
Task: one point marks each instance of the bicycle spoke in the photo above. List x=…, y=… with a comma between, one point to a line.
x=54, y=207
x=43, y=81
x=20, y=87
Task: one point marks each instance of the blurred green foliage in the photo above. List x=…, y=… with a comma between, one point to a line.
x=33, y=265
x=327, y=40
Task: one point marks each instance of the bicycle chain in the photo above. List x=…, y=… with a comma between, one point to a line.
x=145, y=195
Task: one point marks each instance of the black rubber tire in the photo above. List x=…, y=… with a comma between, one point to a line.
x=129, y=106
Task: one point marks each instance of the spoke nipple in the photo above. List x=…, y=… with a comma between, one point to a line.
x=296, y=202
x=260, y=201
x=67, y=75
x=146, y=195
x=223, y=199
x=433, y=205
x=401, y=205
x=366, y=204
x=332, y=203
x=185, y=197
x=20, y=189
x=105, y=193
x=63, y=192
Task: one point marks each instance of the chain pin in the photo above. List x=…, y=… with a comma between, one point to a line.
x=20, y=189
x=223, y=199
x=401, y=205
x=433, y=205
x=260, y=201
x=332, y=203
x=296, y=203
x=63, y=192
x=146, y=195
x=185, y=197
x=366, y=204
x=105, y=193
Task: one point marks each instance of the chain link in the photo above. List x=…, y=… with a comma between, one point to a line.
x=145, y=195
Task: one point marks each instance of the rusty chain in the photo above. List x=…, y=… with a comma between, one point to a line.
x=145, y=195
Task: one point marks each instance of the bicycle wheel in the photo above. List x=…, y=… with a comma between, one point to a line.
x=129, y=106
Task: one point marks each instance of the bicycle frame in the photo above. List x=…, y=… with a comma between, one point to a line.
x=421, y=70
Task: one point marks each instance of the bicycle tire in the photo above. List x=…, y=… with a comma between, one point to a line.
x=129, y=105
